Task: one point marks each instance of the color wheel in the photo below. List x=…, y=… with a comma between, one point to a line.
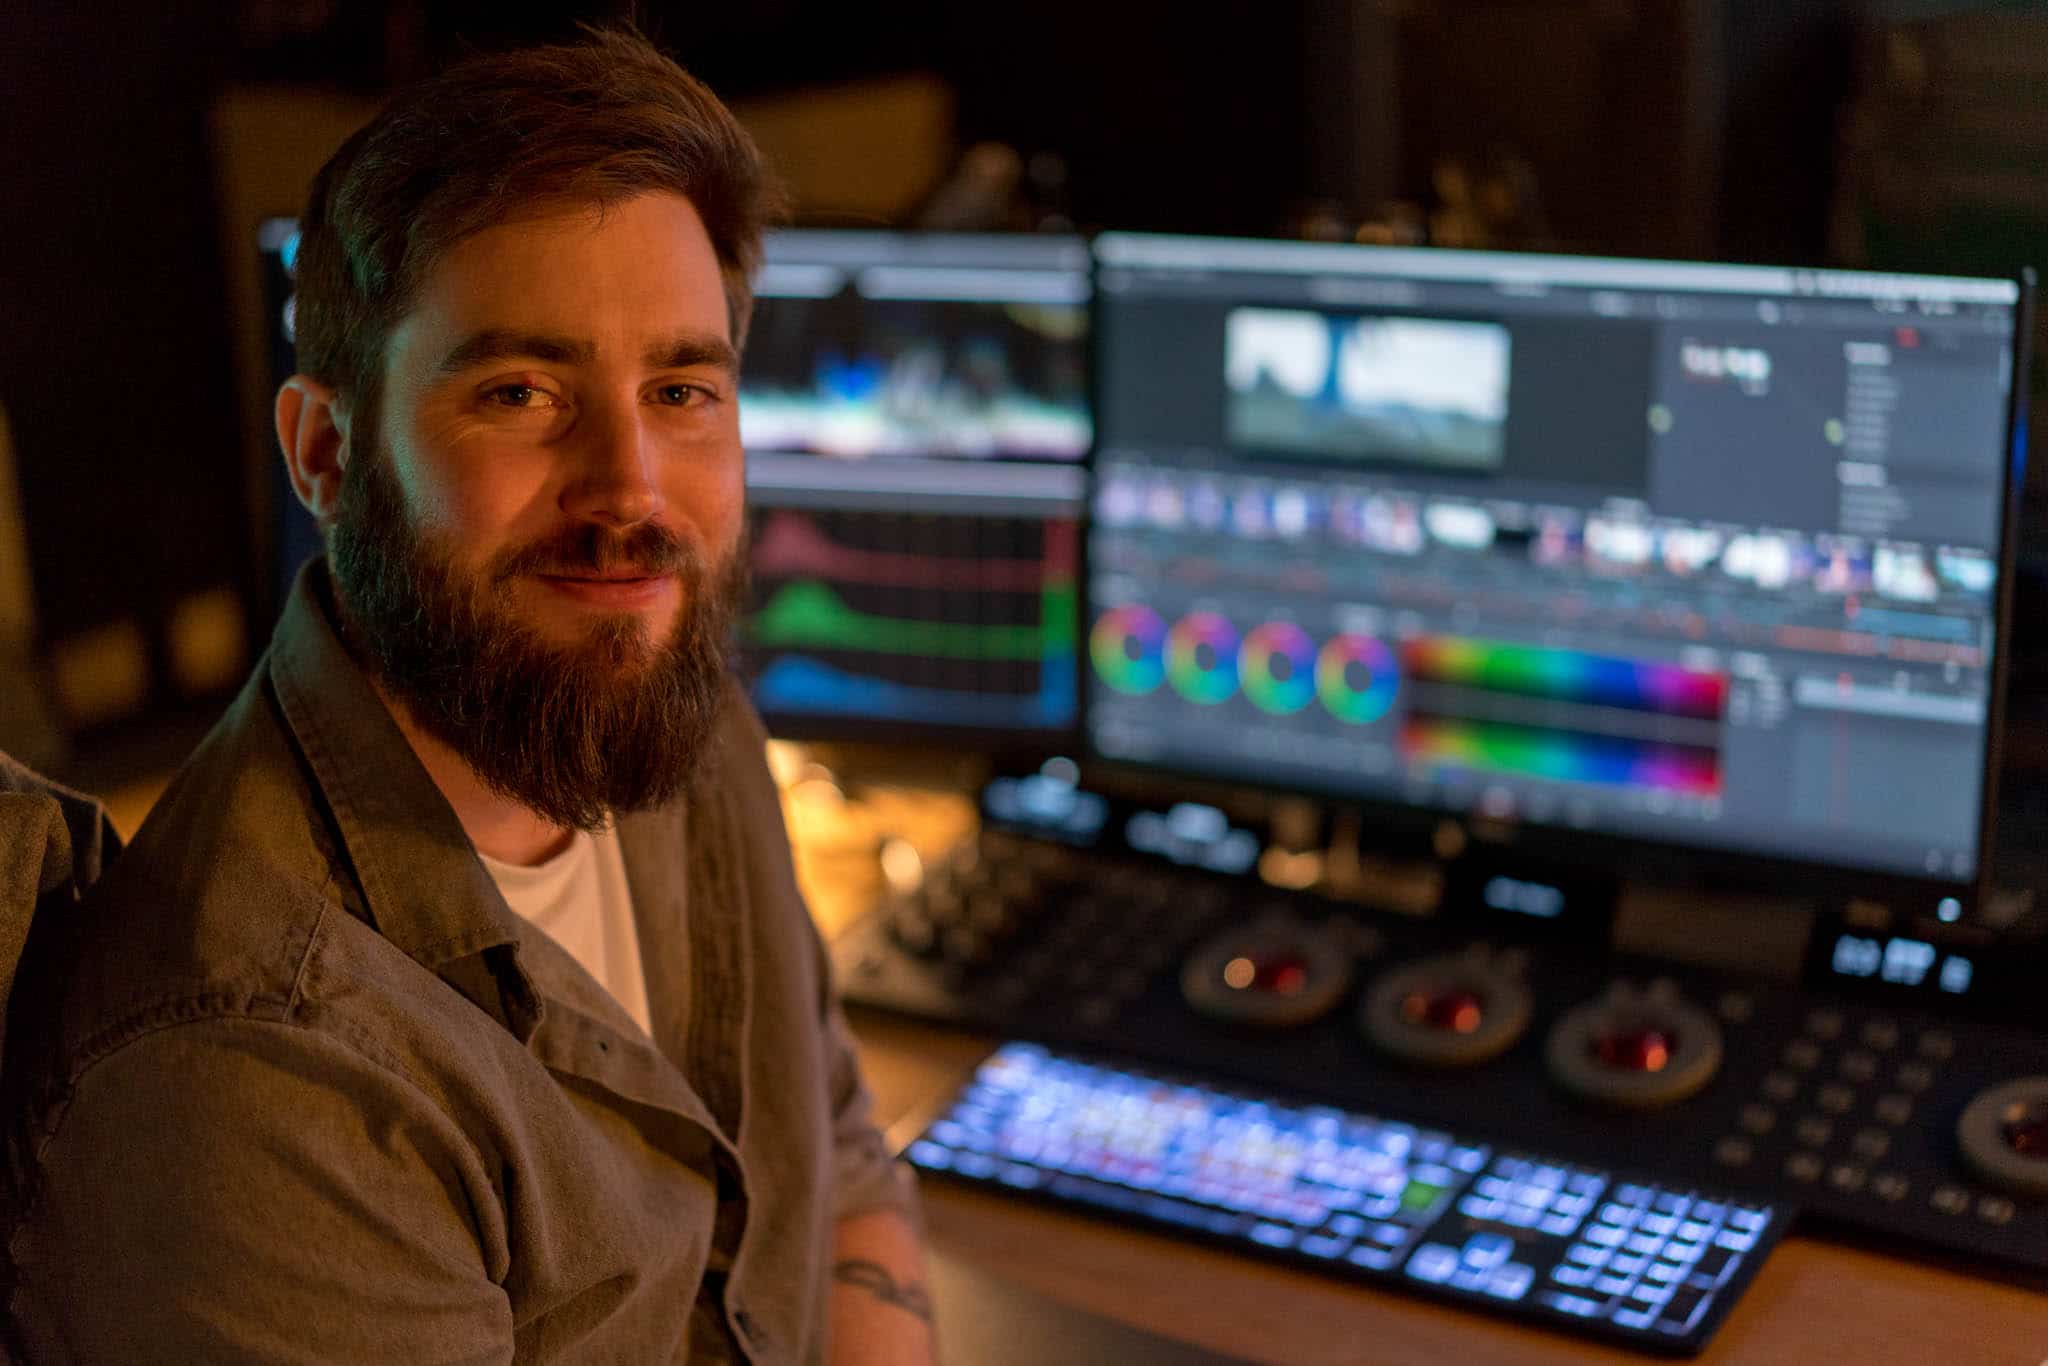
x=1356, y=678
x=1278, y=667
x=1126, y=649
x=1201, y=658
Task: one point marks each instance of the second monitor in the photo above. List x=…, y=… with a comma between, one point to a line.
x=916, y=415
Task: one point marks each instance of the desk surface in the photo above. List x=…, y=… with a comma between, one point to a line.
x=1814, y=1301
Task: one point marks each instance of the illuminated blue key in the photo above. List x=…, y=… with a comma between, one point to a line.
x=1373, y=1258
x=1634, y=1318
x=1272, y=1235
x=1324, y=1247
x=1487, y=1250
x=1434, y=1263
x=926, y=1153
x=1567, y=1274
x=1577, y=1305
x=1510, y=1281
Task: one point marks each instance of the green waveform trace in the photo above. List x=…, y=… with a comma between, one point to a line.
x=810, y=613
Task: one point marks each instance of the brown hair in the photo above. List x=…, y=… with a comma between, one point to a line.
x=496, y=138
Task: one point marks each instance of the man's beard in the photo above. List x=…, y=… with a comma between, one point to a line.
x=576, y=733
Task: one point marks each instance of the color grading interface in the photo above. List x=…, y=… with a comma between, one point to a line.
x=1704, y=555
x=916, y=415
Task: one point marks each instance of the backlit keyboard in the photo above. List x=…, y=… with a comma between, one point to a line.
x=1654, y=1265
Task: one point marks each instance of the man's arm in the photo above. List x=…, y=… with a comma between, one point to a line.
x=242, y=1190
x=881, y=1311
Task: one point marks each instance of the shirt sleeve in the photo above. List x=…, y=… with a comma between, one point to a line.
x=237, y=1190
x=865, y=1177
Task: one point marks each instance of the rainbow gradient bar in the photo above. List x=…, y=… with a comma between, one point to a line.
x=1566, y=676
x=1126, y=648
x=1205, y=681
x=1565, y=756
x=1277, y=666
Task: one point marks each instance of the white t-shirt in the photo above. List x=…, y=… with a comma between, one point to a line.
x=580, y=899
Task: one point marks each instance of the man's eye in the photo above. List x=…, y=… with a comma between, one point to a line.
x=681, y=395
x=518, y=396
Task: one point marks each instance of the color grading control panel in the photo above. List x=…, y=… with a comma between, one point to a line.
x=1141, y=935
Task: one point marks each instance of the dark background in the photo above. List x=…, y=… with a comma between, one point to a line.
x=1760, y=130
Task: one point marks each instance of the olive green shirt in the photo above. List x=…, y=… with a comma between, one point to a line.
x=311, y=1092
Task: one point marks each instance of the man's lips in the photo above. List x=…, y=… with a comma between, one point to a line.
x=610, y=589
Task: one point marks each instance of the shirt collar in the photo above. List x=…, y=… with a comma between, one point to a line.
x=424, y=887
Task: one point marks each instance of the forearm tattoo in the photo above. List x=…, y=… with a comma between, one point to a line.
x=874, y=1278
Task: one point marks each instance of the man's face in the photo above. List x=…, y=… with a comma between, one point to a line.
x=539, y=543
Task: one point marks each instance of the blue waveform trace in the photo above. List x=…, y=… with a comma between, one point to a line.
x=795, y=684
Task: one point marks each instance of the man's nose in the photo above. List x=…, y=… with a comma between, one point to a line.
x=617, y=481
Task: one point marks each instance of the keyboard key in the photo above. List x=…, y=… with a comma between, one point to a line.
x=1605, y=1235
x=1478, y=1207
x=1434, y=1263
x=1683, y=1307
x=1272, y=1235
x=1576, y=1305
x=1628, y=1264
x=925, y=1153
x=1373, y=1258
x=1644, y=1243
x=1634, y=1318
x=1620, y=1215
x=1510, y=1281
x=1560, y=1225
x=1715, y=1264
x=1590, y=1256
x=1487, y=1250
x=1567, y=1274
x=1613, y=1285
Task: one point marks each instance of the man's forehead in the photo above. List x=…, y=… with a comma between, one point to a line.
x=633, y=279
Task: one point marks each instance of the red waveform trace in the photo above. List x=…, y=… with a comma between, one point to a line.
x=792, y=545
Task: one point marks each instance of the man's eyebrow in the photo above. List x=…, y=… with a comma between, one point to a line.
x=495, y=344
x=694, y=348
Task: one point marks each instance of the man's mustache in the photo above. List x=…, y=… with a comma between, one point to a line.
x=648, y=551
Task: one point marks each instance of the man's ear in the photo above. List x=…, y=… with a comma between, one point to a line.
x=313, y=430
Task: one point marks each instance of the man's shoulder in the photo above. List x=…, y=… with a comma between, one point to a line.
x=213, y=905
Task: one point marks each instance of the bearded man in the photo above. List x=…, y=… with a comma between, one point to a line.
x=457, y=1003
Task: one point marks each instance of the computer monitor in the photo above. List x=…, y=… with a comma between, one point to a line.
x=1625, y=557
x=916, y=415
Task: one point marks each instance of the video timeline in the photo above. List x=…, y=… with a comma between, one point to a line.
x=916, y=619
x=1620, y=542
x=1467, y=705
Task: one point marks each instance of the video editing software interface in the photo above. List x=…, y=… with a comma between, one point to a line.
x=1704, y=555
x=916, y=415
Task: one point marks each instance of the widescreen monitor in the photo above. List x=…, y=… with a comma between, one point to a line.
x=1705, y=558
